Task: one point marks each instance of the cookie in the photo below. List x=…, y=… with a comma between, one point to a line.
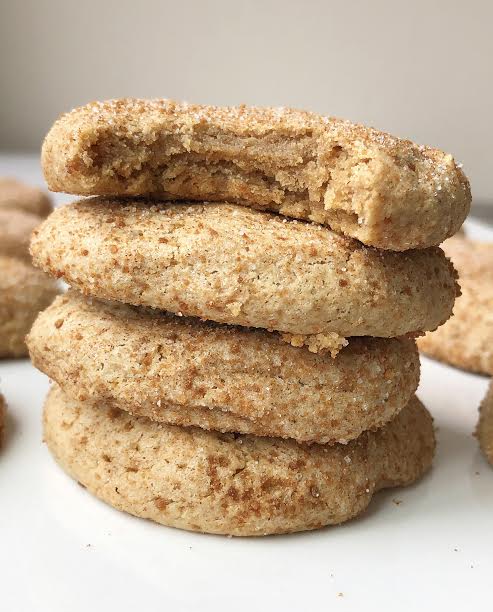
x=386, y=192
x=186, y=372
x=226, y=483
x=3, y=417
x=484, y=430
x=239, y=266
x=466, y=340
x=16, y=227
x=24, y=291
x=15, y=195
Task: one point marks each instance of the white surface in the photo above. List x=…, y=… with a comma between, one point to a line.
x=61, y=549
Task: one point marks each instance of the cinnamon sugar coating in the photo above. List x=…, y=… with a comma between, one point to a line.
x=384, y=191
x=239, y=266
x=231, y=484
x=186, y=372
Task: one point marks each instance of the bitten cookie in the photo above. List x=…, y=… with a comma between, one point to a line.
x=235, y=265
x=466, y=340
x=16, y=227
x=226, y=483
x=484, y=430
x=15, y=195
x=186, y=372
x=24, y=291
x=386, y=192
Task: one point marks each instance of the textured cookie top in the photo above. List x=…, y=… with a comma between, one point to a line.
x=387, y=192
x=466, y=340
x=231, y=484
x=484, y=431
x=18, y=196
x=184, y=371
x=240, y=266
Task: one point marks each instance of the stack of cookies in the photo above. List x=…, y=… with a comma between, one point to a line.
x=222, y=368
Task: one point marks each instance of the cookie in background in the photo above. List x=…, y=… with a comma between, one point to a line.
x=229, y=483
x=466, y=339
x=228, y=423
x=484, y=430
x=22, y=208
x=16, y=195
x=385, y=191
x=24, y=291
x=3, y=418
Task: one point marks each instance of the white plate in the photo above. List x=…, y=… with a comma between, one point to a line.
x=61, y=549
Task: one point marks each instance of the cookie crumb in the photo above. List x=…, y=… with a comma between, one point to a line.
x=317, y=343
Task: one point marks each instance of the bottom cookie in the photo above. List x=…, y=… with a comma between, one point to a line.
x=24, y=291
x=231, y=484
x=484, y=431
x=3, y=416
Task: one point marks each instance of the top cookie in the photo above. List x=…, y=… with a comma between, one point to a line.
x=18, y=196
x=2, y=417
x=386, y=192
